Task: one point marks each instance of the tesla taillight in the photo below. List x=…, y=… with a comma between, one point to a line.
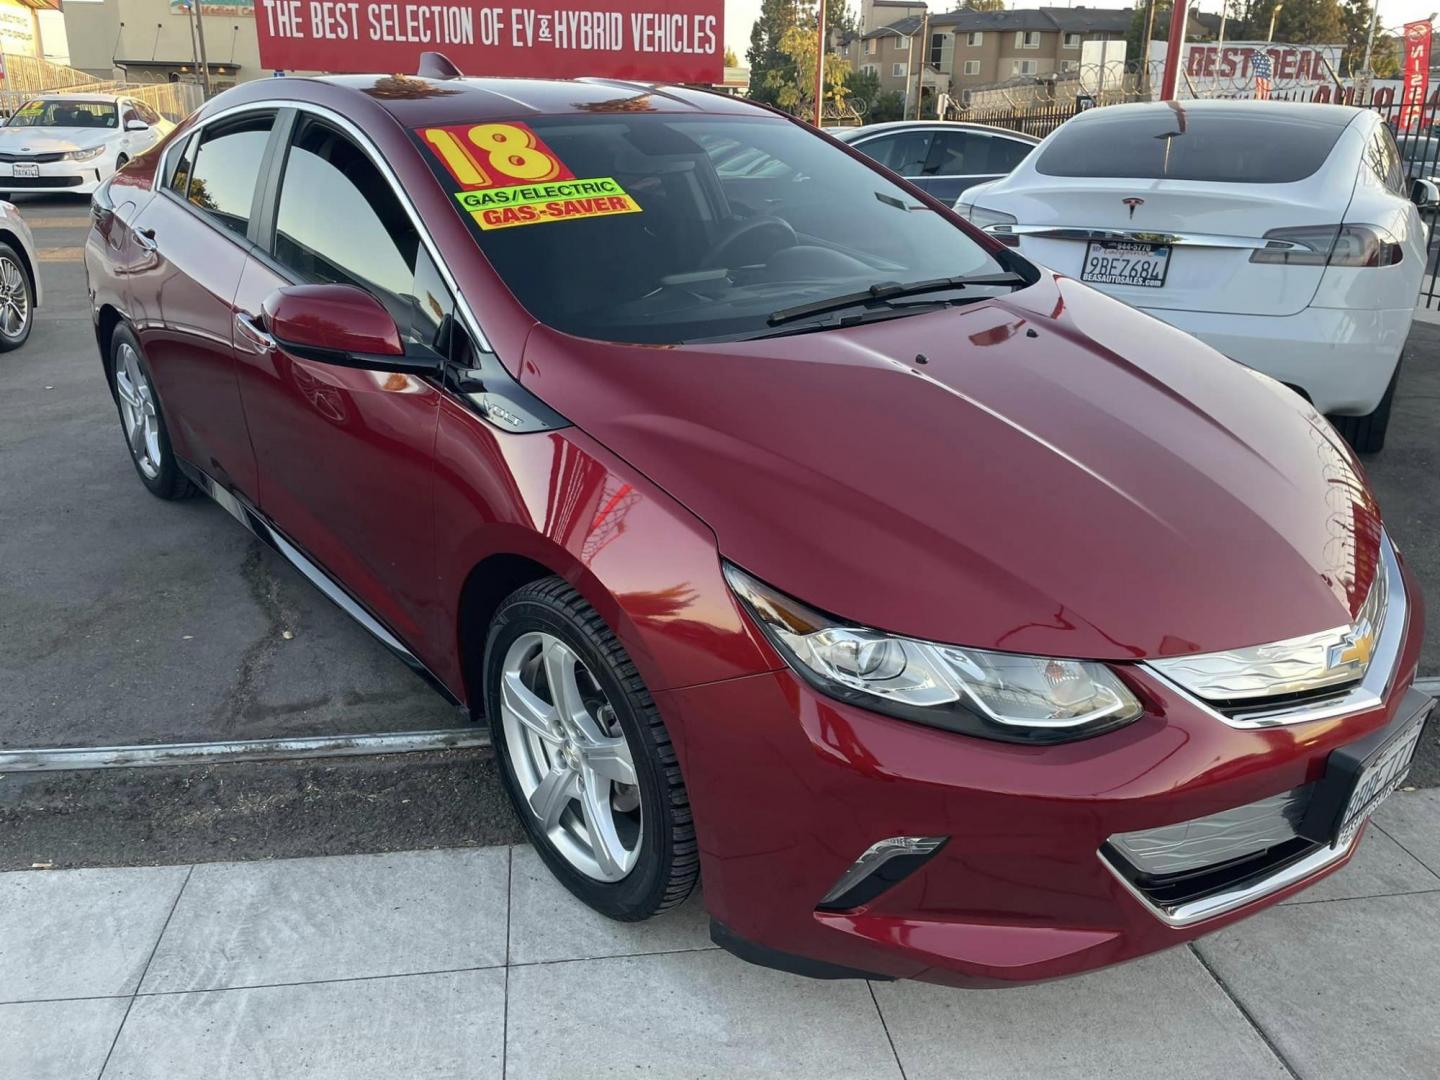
x=1330, y=245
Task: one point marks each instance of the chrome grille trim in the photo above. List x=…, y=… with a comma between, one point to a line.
x=1221, y=903
x=1216, y=838
x=1229, y=685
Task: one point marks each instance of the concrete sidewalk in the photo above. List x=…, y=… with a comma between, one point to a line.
x=474, y=964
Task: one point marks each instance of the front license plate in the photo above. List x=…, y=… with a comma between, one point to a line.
x=1125, y=262
x=1379, y=778
x=26, y=168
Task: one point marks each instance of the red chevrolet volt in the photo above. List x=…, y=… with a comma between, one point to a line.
x=950, y=619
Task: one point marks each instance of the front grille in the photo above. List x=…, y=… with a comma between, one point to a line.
x=39, y=159
x=1220, y=853
x=1323, y=675
x=10, y=183
x=1217, y=838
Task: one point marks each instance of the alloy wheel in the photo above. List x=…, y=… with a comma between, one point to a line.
x=571, y=760
x=14, y=298
x=137, y=411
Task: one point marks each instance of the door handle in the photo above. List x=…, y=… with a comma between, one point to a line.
x=254, y=335
x=145, y=239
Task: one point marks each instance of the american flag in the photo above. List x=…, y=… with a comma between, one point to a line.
x=1262, y=76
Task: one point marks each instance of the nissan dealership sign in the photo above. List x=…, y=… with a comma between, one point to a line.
x=650, y=40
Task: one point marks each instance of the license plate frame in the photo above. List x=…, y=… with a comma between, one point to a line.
x=1152, y=261
x=25, y=169
x=1360, y=776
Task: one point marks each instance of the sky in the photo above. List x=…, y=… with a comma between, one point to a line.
x=740, y=15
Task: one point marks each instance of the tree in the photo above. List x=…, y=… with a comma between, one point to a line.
x=863, y=87
x=792, y=83
x=1299, y=22
x=889, y=106
x=731, y=60
x=764, y=56
x=979, y=5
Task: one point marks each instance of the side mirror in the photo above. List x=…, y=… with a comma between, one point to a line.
x=136, y=125
x=1425, y=193
x=345, y=326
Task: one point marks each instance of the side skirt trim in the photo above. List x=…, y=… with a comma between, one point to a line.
x=263, y=528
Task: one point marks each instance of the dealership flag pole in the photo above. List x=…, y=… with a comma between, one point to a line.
x=1179, y=16
x=823, y=40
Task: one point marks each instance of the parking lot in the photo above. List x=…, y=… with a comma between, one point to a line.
x=126, y=620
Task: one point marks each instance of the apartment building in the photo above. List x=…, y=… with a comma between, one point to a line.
x=968, y=49
x=986, y=47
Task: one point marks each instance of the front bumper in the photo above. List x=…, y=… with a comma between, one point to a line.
x=789, y=787
x=56, y=177
x=1341, y=358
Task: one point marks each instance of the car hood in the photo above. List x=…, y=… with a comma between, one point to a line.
x=51, y=140
x=1062, y=475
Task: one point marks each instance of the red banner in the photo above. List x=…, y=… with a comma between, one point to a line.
x=648, y=40
x=1417, y=74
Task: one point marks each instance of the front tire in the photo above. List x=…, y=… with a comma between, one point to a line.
x=585, y=757
x=141, y=420
x=17, y=300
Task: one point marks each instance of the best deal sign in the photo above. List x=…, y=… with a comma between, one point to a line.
x=649, y=40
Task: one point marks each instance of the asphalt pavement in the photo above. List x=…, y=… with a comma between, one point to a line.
x=127, y=620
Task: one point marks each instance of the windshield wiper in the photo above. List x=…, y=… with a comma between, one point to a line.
x=889, y=290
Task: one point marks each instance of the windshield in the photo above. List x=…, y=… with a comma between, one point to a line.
x=1218, y=147
x=85, y=114
x=657, y=228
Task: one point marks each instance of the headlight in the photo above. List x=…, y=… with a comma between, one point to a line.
x=1006, y=696
x=84, y=155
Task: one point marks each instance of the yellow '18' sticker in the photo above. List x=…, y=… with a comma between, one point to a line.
x=561, y=200
x=509, y=177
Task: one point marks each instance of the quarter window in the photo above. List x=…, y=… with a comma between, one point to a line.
x=226, y=162
x=340, y=222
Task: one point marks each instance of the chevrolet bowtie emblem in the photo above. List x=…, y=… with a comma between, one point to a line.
x=1353, y=650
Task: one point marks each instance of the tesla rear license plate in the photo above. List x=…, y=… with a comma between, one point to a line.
x=1358, y=777
x=25, y=168
x=1126, y=262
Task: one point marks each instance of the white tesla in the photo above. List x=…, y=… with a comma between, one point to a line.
x=73, y=142
x=1284, y=235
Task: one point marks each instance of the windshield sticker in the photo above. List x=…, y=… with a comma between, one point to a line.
x=508, y=176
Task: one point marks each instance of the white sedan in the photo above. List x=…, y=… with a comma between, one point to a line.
x=72, y=143
x=1284, y=235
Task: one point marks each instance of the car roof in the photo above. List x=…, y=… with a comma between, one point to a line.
x=415, y=99
x=99, y=99
x=850, y=134
x=1335, y=115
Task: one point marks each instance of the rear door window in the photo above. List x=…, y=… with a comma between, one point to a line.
x=1212, y=146
x=972, y=153
x=903, y=152
x=221, y=181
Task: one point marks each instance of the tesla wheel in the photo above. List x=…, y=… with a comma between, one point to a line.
x=1366, y=434
x=141, y=419
x=17, y=300
x=585, y=756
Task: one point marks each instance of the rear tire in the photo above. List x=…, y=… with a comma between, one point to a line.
x=142, y=421
x=641, y=858
x=1366, y=434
